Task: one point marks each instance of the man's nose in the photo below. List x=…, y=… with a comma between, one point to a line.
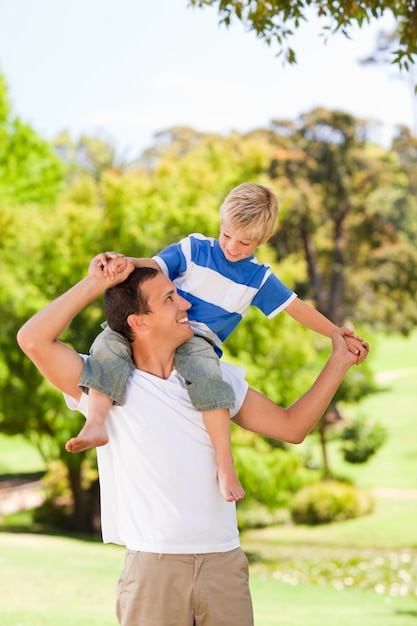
x=184, y=303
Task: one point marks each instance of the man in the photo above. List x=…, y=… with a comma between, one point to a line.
x=159, y=493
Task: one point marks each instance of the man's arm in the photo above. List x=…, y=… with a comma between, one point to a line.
x=261, y=415
x=38, y=337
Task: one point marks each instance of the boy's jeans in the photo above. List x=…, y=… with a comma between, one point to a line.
x=110, y=364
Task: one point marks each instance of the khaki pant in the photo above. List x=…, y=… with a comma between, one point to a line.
x=184, y=590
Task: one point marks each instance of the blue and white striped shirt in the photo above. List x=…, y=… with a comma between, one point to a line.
x=219, y=290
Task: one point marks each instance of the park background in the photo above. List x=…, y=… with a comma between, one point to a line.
x=155, y=167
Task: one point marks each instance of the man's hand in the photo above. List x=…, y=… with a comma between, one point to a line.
x=357, y=347
x=356, y=344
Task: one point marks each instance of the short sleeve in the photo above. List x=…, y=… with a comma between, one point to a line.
x=235, y=376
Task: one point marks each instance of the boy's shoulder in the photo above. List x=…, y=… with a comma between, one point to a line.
x=200, y=237
x=198, y=240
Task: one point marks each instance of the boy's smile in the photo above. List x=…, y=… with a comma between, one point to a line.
x=236, y=246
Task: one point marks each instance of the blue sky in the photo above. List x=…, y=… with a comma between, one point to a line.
x=125, y=70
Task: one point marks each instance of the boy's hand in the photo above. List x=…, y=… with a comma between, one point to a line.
x=116, y=266
x=356, y=344
x=105, y=260
x=119, y=267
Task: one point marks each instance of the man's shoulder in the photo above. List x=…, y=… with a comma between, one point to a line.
x=235, y=376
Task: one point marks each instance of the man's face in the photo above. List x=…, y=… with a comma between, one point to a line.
x=168, y=316
x=235, y=246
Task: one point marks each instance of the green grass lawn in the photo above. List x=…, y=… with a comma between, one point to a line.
x=51, y=581
x=359, y=572
x=18, y=456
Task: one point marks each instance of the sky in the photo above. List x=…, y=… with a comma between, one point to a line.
x=126, y=70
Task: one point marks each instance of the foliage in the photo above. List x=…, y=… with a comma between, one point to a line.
x=327, y=502
x=270, y=477
x=29, y=169
x=339, y=199
x=275, y=22
x=361, y=440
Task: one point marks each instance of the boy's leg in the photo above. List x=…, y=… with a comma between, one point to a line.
x=218, y=427
x=198, y=363
x=93, y=433
x=104, y=378
x=108, y=367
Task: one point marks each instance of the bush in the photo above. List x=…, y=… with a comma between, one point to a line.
x=329, y=502
x=361, y=440
x=251, y=514
x=270, y=476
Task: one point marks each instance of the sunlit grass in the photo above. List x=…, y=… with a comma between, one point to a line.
x=70, y=582
x=18, y=455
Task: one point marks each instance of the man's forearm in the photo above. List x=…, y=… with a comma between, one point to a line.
x=38, y=337
x=51, y=321
x=305, y=412
x=261, y=415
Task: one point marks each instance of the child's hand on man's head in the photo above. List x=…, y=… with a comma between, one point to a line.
x=357, y=346
x=116, y=266
x=104, y=260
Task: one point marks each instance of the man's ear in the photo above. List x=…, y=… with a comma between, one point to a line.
x=137, y=322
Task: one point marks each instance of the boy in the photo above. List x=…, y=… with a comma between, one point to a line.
x=221, y=278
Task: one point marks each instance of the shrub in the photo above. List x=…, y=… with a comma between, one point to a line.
x=251, y=514
x=271, y=476
x=361, y=440
x=329, y=501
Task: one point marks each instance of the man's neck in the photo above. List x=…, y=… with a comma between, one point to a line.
x=159, y=363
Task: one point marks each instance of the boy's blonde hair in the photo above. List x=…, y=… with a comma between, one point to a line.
x=251, y=209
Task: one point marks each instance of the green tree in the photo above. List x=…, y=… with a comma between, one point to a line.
x=30, y=171
x=92, y=155
x=55, y=244
x=340, y=216
x=275, y=22
x=340, y=213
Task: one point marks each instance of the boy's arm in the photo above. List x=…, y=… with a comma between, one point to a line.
x=261, y=415
x=144, y=262
x=311, y=318
x=38, y=337
x=113, y=263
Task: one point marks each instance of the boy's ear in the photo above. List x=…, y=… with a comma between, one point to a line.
x=136, y=322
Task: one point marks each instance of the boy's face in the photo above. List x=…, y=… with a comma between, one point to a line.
x=235, y=245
